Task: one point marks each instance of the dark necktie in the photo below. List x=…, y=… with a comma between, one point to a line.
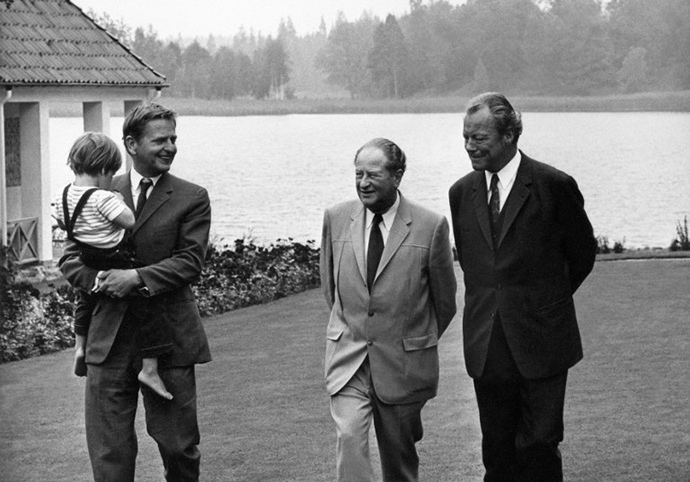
x=495, y=207
x=375, y=250
x=144, y=186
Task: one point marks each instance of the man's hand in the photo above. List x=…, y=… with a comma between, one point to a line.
x=118, y=283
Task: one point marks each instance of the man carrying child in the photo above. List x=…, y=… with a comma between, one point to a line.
x=169, y=239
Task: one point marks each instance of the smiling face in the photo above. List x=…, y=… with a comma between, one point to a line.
x=153, y=153
x=377, y=187
x=488, y=149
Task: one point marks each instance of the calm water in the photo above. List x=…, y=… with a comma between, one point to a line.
x=271, y=177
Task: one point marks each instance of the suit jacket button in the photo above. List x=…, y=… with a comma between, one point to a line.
x=370, y=343
x=371, y=313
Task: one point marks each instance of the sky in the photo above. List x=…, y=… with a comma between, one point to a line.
x=199, y=18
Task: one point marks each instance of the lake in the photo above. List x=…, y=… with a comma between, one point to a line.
x=270, y=177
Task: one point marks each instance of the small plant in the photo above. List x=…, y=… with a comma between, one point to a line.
x=682, y=241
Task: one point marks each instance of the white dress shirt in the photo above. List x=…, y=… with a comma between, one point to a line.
x=385, y=225
x=135, y=179
x=506, y=179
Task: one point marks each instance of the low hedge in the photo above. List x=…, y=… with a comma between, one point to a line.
x=248, y=274
x=33, y=323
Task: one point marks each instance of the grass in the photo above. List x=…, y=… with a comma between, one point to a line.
x=651, y=101
x=264, y=410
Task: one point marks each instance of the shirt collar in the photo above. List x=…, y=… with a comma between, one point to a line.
x=388, y=216
x=507, y=174
x=135, y=178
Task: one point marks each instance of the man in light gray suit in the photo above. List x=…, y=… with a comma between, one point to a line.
x=387, y=274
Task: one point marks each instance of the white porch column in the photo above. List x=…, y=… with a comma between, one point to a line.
x=3, y=181
x=96, y=117
x=35, y=172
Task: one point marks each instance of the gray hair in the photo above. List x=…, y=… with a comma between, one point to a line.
x=506, y=118
x=395, y=157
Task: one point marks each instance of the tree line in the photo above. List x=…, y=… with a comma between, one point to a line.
x=535, y=47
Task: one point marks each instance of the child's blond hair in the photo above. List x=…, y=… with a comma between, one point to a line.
x=94, y=153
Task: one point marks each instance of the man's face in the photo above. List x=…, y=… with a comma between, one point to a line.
x=377, y=187
x=154, y=152
x=488, y=150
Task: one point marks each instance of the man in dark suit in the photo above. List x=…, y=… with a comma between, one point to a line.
x=525, y=245
x=387, y=274
x=170, y=238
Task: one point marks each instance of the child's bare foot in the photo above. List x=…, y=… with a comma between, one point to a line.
x=153, y=381
x=79, y=363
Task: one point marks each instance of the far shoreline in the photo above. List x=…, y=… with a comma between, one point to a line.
x=642, y=102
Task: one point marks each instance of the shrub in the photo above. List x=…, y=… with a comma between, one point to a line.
x=682, y=241
x=248, y=274
x=619, y=246
x=34, y=323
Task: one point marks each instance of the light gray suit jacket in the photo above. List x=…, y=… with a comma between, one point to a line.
x=411, y=304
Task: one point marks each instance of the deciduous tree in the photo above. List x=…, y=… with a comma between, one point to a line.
x=344, y=58
x=388, y=58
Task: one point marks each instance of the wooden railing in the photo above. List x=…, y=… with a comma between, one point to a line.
x=22, y=240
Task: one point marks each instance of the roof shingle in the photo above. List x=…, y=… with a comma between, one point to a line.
x=49, y=42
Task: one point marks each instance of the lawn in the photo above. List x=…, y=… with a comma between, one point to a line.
x=264, y=410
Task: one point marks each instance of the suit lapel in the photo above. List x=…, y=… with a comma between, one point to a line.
x=517, y=197
x=357, y=235
x=397, y=234
x=159, y=195
x=123, y=185
x=481, y=206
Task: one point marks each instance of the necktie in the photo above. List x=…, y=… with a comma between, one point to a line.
x=375, y=250
x=144, y=186
x=495, y=207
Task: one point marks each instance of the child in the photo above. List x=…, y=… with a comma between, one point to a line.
x=96, y=220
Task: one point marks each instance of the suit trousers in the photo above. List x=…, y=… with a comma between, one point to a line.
x=398, y=428
x=521, y=419
x=112, y=390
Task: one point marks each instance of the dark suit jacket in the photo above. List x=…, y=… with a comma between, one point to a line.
x=170, y=237
x=546, y=250
x=411, y=303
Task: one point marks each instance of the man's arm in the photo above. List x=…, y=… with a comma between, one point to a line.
x=442, y=282
x=454, y=201
x=580, y=243
x=182, y=268
x=326, y=262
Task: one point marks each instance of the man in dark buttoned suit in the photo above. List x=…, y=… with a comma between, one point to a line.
x=386, y=315
x=525, y=245
x=170, y=238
